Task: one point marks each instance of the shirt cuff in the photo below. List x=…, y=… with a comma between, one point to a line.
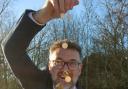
x=31, y=17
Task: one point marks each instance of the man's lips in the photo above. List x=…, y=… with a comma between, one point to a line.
x=60, y=75
x=65, y=76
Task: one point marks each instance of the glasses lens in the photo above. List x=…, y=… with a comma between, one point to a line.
x=73, y=65
x=58, y=63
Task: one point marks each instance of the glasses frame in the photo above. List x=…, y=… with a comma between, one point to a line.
x=63, y=63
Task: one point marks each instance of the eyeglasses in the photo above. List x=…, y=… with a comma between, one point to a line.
x=71, y=65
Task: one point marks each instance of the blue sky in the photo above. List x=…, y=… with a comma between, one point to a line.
x=19, y=6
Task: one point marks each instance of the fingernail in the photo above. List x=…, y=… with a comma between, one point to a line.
x=76, y=2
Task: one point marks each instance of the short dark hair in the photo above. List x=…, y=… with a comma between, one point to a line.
x=71, y=45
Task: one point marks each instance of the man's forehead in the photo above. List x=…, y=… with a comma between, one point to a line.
x=64, y=54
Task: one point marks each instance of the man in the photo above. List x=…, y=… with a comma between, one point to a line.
x=64, y=66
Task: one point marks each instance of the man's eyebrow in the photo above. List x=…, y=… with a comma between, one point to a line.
x=73, y=60
x=58, y=58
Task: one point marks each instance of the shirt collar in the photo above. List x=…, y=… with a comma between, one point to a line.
x=72, y=88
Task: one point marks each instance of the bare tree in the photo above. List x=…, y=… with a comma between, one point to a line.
x=111, y=41
x=7, y=79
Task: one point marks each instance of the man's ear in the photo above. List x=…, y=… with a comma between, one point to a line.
x=50, y=65
x=80, y=68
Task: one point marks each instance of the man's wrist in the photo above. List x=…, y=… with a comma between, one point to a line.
x=31, y=17
x=40, y=16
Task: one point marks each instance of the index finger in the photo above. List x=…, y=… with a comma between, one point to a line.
x=55, y=4
x=74, y=2
x=61, y=5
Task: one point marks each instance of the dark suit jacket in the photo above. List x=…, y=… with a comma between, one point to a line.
x=14, y=47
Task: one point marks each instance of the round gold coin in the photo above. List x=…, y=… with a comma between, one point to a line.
x=68, y=79
x=64, y=45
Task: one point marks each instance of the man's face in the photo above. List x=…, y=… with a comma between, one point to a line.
x=61, y=60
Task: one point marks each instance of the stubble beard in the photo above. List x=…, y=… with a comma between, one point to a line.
x=69, y=86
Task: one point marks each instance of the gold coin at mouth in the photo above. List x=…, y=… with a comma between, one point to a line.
x=68, y=79
x=64, y=45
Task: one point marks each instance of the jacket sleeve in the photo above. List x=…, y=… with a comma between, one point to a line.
x=14, y=47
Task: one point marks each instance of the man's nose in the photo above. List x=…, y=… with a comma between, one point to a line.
x=66, y=67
